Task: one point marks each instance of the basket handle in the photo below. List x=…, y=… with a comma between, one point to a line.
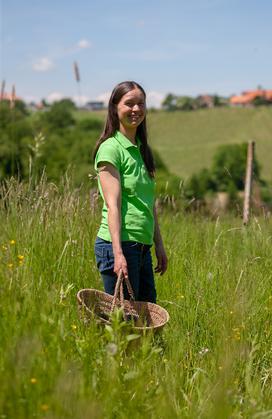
x=119, y=291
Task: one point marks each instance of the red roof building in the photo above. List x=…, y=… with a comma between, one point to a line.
x=247, y=98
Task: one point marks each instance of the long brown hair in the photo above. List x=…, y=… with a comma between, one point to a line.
x=112, y=124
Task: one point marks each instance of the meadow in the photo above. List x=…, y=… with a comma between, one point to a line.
x=213, y=359
x=187, y=141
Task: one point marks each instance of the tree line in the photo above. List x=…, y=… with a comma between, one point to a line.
x=173, y=102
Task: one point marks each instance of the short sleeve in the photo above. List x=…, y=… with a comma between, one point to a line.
x=108, y=152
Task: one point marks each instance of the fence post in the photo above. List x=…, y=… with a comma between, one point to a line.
x=248, y=182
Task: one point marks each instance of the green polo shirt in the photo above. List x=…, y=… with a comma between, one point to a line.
x=137, y=220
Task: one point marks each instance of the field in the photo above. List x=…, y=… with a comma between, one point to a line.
x=187, y=141
x=213, y=359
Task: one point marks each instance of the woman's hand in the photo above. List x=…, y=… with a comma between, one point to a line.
x=162, y=260
x=120, y=264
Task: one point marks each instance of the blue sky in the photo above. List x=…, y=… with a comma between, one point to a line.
x=185, y=47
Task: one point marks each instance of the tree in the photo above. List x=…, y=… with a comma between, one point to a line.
x=226, y=174
x=186, y=103
x=199, y=184
x=58, y=117
x=67, y=103
x=261, y=101
x=170, y=102
x=15, y=134
x=229, y=166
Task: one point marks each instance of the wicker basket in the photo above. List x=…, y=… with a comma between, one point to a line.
x=99, y=306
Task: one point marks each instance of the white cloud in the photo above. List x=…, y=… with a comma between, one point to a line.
x=55, y=96
x=83, y=44
x=104, y=97
x=43, y=64
x=79, y=46
x=154, y=99
x=81, y=100
x=31, y=98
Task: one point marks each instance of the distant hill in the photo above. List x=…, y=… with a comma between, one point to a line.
x=187, y=141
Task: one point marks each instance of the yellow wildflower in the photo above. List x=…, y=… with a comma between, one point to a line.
x=74, y=327
x=33, y=380
x=20, y=257
x=44, y=407
x=236, y=333
x=10, y=265
x=12, y=242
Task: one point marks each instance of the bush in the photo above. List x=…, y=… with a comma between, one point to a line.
x=229, y=167
x=199, y=184
x=227, y=173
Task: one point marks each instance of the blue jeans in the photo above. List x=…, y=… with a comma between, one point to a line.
x=140, y=270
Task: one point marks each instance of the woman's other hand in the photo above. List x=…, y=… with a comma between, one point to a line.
x=162, y=260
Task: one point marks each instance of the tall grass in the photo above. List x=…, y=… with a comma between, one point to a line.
x=214, y=358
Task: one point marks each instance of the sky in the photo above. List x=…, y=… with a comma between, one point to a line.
x=186, y=47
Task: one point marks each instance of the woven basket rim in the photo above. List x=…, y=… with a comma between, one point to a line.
x=150, y=305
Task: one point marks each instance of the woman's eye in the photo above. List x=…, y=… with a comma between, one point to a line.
x=130, y=104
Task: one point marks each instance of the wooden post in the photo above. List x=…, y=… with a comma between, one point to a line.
x=248, y=182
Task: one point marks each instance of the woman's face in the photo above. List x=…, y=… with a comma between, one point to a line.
x=131, y=109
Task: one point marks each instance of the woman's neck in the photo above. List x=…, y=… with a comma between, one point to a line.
x=129, y=133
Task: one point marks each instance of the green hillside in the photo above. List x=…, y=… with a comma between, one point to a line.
x=187, y=141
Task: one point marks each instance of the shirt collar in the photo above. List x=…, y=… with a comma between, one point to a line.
x=124, y=141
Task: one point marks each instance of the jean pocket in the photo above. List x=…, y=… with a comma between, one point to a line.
x=104, y=256
x=101, y=246
x=98, y=251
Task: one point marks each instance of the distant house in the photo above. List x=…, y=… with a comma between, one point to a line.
x=94, y=106
x=205, y=101
x=247, y=98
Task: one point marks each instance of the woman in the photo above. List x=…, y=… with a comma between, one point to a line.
x=125, y=167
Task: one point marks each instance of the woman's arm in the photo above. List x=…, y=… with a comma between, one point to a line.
x=110, y=183
x=162, y=260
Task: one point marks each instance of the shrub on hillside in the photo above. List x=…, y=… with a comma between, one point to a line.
x=58, y=117
x=15, y=133
x=229, y=167
x=226, y=174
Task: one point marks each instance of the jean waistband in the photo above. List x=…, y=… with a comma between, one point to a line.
x=143, y=247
